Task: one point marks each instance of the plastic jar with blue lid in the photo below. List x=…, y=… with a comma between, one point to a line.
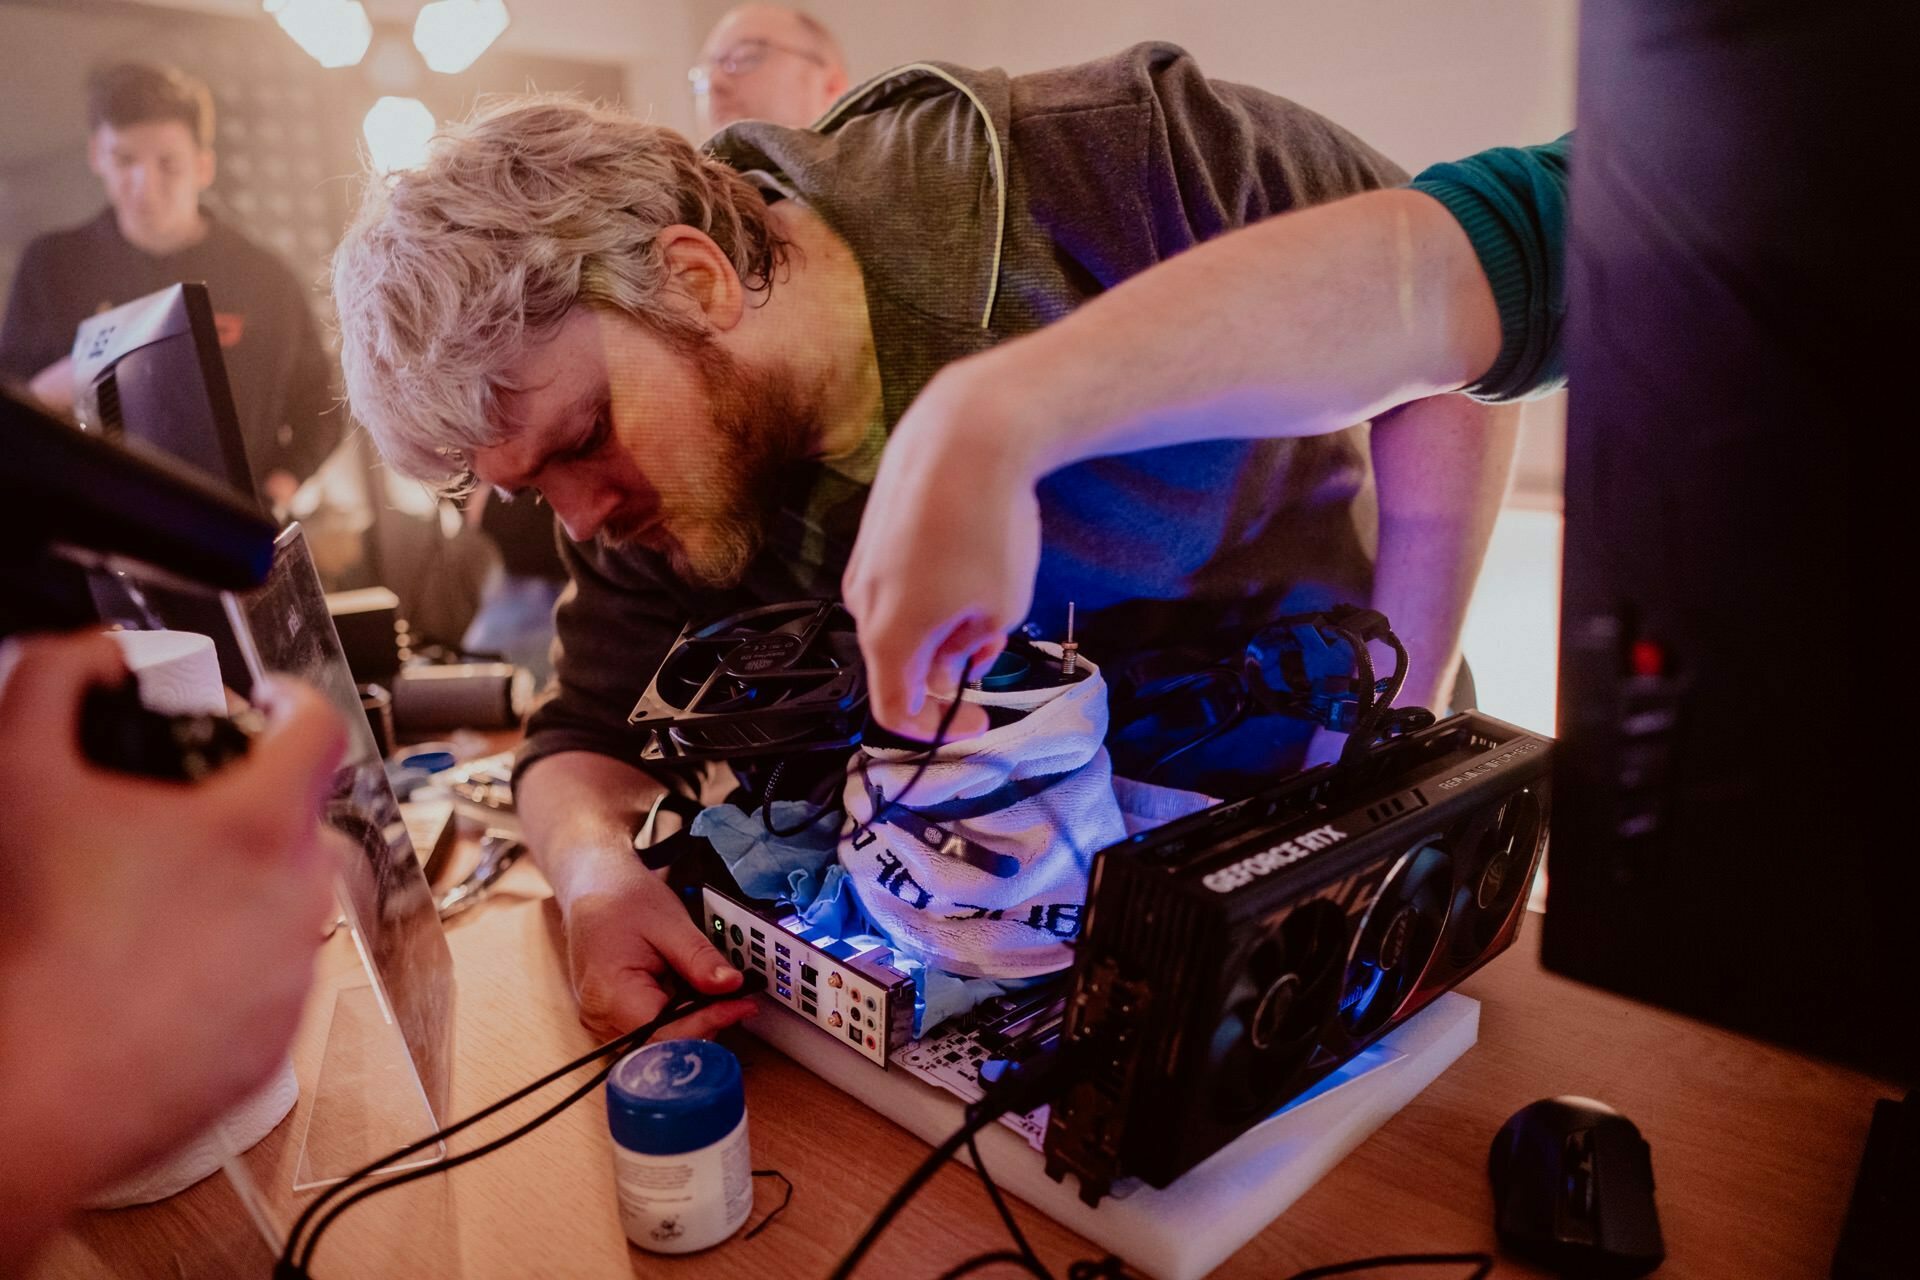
x=678, y=1114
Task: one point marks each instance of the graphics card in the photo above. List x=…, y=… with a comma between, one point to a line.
x=1232, y=958
x=849, y=990
x=781, y=678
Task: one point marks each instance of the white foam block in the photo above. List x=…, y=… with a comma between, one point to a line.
x=1191, y=1227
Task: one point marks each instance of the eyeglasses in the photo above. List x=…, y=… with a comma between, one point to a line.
x=743, y=59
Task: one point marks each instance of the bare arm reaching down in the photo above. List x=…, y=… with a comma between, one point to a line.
x=1300, y=325
x=626, y=932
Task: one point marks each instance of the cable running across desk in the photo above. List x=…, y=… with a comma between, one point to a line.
x=296, y=1260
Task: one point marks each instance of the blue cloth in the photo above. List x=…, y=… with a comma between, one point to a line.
x=802, y=871
x=515, y=620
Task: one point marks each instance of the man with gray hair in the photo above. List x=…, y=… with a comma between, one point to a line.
x=696, y=358
x=767, y=62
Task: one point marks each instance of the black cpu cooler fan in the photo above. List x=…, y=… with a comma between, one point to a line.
x=781, y=678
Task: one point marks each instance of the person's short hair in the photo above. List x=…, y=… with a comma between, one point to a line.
x=531, y=208
x=130, y=93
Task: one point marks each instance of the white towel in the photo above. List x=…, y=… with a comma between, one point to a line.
x=235, y=1132
x=983, y=870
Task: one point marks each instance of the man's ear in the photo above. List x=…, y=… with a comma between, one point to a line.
x=703, y=273
x=203, y=167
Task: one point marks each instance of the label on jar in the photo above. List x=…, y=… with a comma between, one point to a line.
x=689, y=1201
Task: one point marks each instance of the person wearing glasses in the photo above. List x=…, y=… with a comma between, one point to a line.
x=767, y=62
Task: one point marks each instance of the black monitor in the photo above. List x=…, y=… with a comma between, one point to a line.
x=1733, y=674
x=68, y=501
x=151, y=373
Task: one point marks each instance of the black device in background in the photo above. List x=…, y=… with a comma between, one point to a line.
x=150, y=376
x=71, y=505
x=1573, y=1189
x=150, y=372
x=1727, y=698
x=1878, y=1241
x=1725, y=841
x=370, y=628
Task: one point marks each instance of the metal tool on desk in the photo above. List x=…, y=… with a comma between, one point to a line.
x=499, y=850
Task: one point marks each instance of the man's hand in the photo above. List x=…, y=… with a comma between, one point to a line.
x=627, y=935
x=53, y=386
x=624, y=943
x=948, y=548
x=156, y=938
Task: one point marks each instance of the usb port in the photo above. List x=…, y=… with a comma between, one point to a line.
x=807, y=1007
x=757, y=934
x=785, y=994
x=780, y=964
x=781, y=947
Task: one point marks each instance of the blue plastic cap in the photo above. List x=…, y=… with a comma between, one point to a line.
x=675, y=1096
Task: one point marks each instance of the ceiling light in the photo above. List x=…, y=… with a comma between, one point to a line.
x=335, y=33
x=451, y=34
x=397, y=131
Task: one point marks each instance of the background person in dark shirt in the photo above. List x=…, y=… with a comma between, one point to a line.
x=150, y=140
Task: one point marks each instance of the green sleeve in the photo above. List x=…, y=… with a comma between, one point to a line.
x=1512, y=203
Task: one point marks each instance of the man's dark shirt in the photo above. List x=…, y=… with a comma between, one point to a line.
x=281, y=376
x=982, y=207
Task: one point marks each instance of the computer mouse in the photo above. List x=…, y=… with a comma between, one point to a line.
x=1573, y=1189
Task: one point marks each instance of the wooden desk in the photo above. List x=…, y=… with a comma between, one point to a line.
x=1754, y=1150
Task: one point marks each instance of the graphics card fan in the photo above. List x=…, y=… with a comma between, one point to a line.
x=1281, y=997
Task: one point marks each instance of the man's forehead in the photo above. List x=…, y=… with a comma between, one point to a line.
x=550, y=387
x=549, y=369
x=149, y=135
x=753, y=22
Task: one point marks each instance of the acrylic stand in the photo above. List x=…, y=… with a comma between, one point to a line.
x=385, y=1069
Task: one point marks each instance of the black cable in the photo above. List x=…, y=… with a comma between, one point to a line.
x=1243, y=700
x=1001, y=1207
x=821, y=809
x=1022, y=1088
x=1007, y=1256
x=926, y=758
x=1482, y=1264
x=977, y=1119
x=487, y=1148
x=778, y=1209
x=288, y=1268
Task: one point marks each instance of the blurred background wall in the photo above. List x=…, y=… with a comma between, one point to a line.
x=1423, y=80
